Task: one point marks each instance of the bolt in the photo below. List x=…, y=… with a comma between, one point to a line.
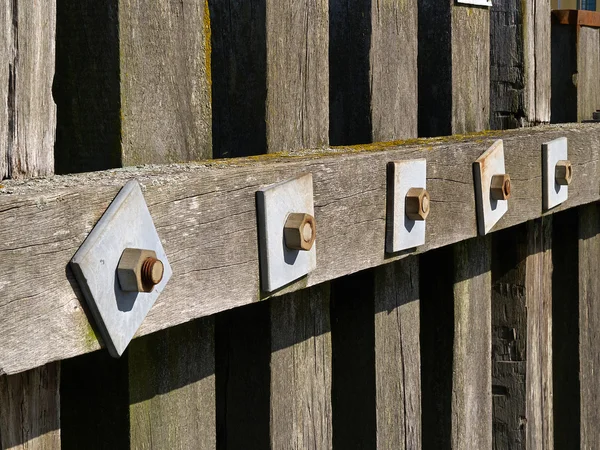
x=139, y=270
x=300, y=231
x=563, y=172
x=152, y=272
x=417, y=204
x=500, y=187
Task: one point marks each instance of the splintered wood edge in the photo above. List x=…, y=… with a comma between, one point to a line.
x=205, y=214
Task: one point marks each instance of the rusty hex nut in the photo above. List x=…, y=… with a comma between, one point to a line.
x=300, y=231
x=563, y=172
x=500, y=187
x=417, y=204
x=139, y=270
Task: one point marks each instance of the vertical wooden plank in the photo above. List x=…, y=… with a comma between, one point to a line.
x=29, y=409
x=373, y=71
x=270, y=77
x=29, y=401
x=27, y=114
x=588, y=67
x=522, y=336
x=470, y=69
x=564, y=69
x=132, y=84
x=456, y=346
x=519, y=63
x=301, y=370
x=397, y=355
x=172, y=388
x=454, y=68
x=589, y=324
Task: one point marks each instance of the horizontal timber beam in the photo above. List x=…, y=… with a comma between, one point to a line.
x=205, y=215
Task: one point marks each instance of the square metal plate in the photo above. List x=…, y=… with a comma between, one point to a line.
x=125, y=224
x=490, y=163
x=278, y=264
x=402, y=232
x=553, y=193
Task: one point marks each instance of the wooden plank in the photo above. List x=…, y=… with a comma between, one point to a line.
x=588, y=67
x=397, y=355
x=29, y=409
x=589, y=324
x=522, y=336
x=217, y=268
x=454, y=68
x=373, y=72
x=132, y=84
x=300, y=413
x=576, y=17
x=456, y=346
x=172, y=388
x=376, y=358
x=519, y=63
x=27, y=111
x=270, y=78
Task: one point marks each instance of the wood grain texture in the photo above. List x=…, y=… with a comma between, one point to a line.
x=588, y=67
x=456, y=343
x=397, y=355
x=172, y=388
x=297, y=108
x=522, y=336
x=519, y=63
x=205, y=215
x=29, y=409
x=471, y=368
x=300, y=416
x=373, y=71
x=27, y=111
x=589, y=324
x=470, y=69
x=133, y=83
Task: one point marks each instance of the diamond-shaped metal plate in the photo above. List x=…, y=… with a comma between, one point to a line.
x=402, y=232
x=280, y=265
x=125, y=224
x=553, y=193
x=490, y=163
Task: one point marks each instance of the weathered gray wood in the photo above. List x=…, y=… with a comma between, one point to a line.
x=588, y=67
x=29, y=409
x=270, y=76
x=519, y=63
x=172, y=388
x=397, y=355
x=27, y=111
x=522, y=337
x=471, y=368
x=373, y=55
x=300, y=416
x=205, y=215
x=454, y=68
x=132, y=83
x=456, y=346
x=589, y=324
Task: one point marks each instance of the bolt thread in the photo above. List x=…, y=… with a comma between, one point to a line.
x=148, y=276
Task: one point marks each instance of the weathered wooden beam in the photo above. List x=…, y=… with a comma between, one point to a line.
x=522, y=336
x=27, y=110
x=205, y=214
x=454, y=68
x=519, y=63
x=575, y=65
x=132, y=83
x=373, y=71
